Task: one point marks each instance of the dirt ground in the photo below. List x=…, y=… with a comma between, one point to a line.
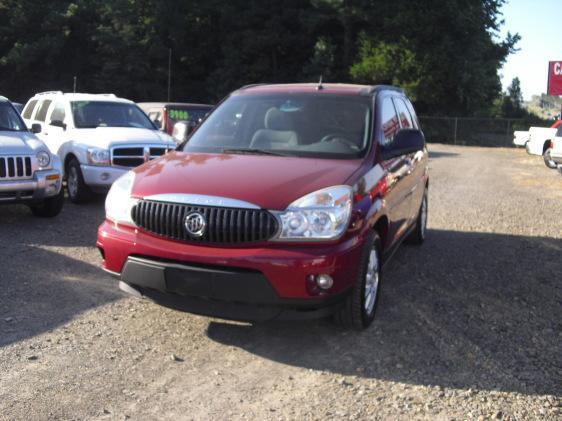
x=469, y=325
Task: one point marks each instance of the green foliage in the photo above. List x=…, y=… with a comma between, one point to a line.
x=389, y=64
x=445, y=53
x=512, y=102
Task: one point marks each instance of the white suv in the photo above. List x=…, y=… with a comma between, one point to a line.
x=97, y=137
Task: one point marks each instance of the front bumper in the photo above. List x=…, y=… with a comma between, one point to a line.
x=44, y=184
x=253, y=283
x=101, y=178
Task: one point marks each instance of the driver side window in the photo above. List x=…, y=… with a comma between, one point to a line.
x=389, y=122
x=58, y=113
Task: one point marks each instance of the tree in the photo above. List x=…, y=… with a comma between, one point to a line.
x=512, y=101
x=456, y=55
x=445, y=53
x=390, y=64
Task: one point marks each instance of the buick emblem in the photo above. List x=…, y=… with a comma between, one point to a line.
x=195, y=224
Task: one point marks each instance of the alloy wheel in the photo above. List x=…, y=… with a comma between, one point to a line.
x=72, y=182
x=371, y=282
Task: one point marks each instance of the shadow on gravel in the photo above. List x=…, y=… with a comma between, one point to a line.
x=75, y=226
x=441, y=154
x=41, y=289
x=466, y=310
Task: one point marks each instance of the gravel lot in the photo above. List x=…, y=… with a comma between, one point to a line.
x=470, y=324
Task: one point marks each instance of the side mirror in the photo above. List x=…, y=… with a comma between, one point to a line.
x=36, y=128
x=405, y=142
x=182, y=130
x=158, y=124
x=58, y=123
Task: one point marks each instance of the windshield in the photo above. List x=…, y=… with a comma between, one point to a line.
x=10, y=119
x=90, y=114
x=307, y=125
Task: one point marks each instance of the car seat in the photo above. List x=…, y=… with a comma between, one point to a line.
x=278, y=132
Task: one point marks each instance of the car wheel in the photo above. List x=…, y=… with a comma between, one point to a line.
x=360, y=306
x=548, y=160
x=78, y=191
x=50, y=207
x=420, y=230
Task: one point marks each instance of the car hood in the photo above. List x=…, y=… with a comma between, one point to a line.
x=19, y=143
x=105, y=137
x=269, y=182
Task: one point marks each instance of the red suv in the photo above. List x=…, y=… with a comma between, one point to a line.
x=284, y=204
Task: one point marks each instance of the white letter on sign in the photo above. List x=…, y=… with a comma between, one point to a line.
x=557, y=69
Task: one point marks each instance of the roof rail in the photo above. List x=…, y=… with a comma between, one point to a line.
x=49, y=93
x=85, y=93
x=3, y=98
x=251, y=85
x=374, y=88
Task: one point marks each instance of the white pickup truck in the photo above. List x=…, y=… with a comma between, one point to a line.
x=520, y=137
x=540, y=142
x=97, y=137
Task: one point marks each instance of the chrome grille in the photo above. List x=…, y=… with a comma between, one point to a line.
x=133, y=156
x=16, y=167
x=223, y=225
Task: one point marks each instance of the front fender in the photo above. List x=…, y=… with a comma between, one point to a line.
x=76, y=149
x=57, y=164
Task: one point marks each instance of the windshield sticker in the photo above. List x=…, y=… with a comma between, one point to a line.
x=179, y=115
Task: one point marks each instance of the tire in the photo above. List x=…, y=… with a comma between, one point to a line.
x=78, y=191
x=360, y=307
x=548, y=160
x=419, y=233
x=50, y=207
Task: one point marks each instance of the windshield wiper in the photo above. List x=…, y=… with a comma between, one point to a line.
x=9, y=129
x=254, y=151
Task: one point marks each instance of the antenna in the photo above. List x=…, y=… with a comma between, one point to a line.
x=319, y=87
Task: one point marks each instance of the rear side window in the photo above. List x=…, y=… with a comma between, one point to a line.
x=29, y=109
x=403, y=114
x=58, y=112
x=42, y=113
x=389, y=122
x=413, y=114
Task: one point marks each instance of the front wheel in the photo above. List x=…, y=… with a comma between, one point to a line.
x=50, y=207
x=548, y=160
x=360, y=306
x=78, y=191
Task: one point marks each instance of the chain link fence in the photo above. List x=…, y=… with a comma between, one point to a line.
x=495, y=132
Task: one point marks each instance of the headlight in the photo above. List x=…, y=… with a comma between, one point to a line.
x=118, y=203
x=43, y=159
x=321, y=215
x=98, y=156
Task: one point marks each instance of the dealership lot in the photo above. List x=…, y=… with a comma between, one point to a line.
x=469, y=324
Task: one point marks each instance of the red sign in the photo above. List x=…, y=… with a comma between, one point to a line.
x=554, y=78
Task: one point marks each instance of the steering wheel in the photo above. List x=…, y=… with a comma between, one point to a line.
x=338, y=137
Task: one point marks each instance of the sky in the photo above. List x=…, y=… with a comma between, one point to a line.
x=538, y=23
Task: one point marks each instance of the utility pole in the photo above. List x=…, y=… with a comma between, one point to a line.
x=74, y=88
x=169, y=72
